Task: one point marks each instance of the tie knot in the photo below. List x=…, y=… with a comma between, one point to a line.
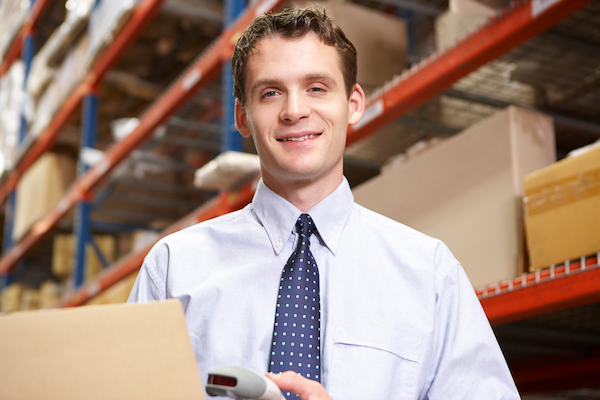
x=305, y=225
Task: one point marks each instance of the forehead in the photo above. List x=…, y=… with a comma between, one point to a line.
x=279, y=57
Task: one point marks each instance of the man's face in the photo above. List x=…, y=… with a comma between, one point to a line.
x=297, y=110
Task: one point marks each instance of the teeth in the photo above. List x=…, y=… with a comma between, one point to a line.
x=298, y=139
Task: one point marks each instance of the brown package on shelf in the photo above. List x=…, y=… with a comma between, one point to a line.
x=30, y=299
x=118, y=293
x=477, y=7
x=125, y=351
x=379, y=38
x=64, y=249
x=562, y=210
x=50, y=294
x=10, y=298
x=40, y=189
x=468, y=189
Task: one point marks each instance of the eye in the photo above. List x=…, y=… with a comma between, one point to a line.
x=270, y=93
x=316, y=89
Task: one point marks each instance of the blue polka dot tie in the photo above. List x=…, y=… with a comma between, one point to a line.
x=296, y=335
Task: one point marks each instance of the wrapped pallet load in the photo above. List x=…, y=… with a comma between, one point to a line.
x=52, y=53
x=12, y=16
x=11, y=108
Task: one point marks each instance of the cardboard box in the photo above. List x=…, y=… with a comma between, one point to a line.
x=118, y=293
x=64, y=250
x=50, y=294
x=450, y=26
x=562, y=210
x=30, y=299
x=10, y=298
x=40, y=189
x=468, y=189
x=129, y=351
x=380, y=40
x=484, y=8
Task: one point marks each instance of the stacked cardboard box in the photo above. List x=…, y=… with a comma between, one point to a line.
x=468, y=189
x=64, y=251
x=40, y=189
x=562, y=210
x=10, y=298
x=50, y=294
x=118, y=293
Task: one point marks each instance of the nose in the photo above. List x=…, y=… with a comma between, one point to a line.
x=295, y=108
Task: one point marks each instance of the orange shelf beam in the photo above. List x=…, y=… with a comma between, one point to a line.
x=509, y=28
x=544, y=291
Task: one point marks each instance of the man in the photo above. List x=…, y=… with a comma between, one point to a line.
x=397, y=317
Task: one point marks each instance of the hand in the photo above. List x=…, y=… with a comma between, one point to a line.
x=307, y=389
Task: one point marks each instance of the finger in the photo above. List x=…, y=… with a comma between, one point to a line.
x=307, y=389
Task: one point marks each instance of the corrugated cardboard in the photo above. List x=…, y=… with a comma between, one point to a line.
x=130, y=351
x=40, y=189
x=563, y=210
x=380, y=40
x=467, y=191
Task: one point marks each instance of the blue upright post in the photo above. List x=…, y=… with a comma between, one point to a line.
x=411, y=31
x=82, y=212
x=231, y=139
x=9, y=214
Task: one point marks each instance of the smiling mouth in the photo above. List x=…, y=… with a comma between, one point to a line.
x=299, y=139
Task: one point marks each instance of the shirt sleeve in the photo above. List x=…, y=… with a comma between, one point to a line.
x=467, y=361
x=150, y=284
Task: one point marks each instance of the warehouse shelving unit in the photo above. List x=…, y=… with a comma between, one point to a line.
x=559, y=288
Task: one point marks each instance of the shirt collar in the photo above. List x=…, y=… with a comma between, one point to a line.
x=278, y=216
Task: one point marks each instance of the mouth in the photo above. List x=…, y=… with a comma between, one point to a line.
x=299, y=138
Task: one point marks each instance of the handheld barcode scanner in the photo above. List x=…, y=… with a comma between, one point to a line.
x=241, y=383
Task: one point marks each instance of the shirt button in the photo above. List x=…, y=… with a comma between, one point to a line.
x=332, y=244
x=278, y=244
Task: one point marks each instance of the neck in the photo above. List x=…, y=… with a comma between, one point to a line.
x=305, y=194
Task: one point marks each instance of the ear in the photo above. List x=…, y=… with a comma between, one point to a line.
x=241, y=119
x=356, y=105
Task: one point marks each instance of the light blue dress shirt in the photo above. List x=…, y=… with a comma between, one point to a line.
x=399, y=318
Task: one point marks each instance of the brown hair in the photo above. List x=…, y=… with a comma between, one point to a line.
x=292, y=24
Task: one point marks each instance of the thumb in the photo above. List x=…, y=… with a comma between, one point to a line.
x=307, y=389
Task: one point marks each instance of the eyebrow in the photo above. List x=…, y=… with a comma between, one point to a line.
x=307, y=78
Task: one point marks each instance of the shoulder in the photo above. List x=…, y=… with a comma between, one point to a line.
x=205, y=234
x=410, y=242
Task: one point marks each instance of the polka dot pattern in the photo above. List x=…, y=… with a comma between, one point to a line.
x=296, y=335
